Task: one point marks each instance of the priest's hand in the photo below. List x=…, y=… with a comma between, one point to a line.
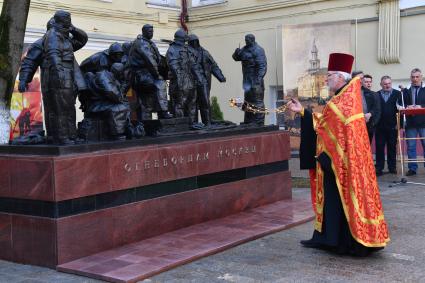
x=367, y=117
x=294, y=105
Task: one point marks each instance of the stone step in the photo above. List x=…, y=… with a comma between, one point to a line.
x=146, y=258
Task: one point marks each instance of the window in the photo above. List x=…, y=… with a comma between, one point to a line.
x=197, y=3
x=171, y=3
x=406, y=4
x=276, y=100
x=163, y=4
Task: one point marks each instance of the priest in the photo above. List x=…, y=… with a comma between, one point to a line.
x=335, y=148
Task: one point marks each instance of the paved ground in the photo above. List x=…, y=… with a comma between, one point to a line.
x=280, y=258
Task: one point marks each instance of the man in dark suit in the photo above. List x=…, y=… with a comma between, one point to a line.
x=414, y=97
x=371, y=106
x=386, y=129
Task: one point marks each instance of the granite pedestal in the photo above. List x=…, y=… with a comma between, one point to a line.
x=61, y=204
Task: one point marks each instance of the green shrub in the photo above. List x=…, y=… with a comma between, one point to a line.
x=216, y=113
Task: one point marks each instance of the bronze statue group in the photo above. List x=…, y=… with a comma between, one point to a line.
x=102, y=81
x=334, y=144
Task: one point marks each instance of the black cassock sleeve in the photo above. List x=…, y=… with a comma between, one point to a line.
x=308, y=142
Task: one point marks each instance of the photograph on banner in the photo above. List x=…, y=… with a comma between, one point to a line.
x=306, y=50
x=26, y=112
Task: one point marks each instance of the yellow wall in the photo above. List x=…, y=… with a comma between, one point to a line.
x=221, y=29
x=119, y=18
x=411, y=53
x=105, y=22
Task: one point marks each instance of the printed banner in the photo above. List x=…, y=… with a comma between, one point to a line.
x=26, y=108
x=306, y=50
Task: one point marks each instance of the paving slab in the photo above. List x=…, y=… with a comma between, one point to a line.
x=146, y=258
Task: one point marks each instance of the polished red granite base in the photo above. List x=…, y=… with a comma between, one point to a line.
x=59, y=178
x=57, y=209
x=143, y=259
x=113, y=227
x=52, y=241
x=28, y=239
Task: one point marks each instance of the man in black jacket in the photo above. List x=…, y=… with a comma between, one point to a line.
x=371, y=105
x=414, y=97
x=386, y=129
x=370, y=102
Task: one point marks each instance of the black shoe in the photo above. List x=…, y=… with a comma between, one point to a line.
x=410, y=173
x=165, y=115
x=379, y=173
x=310, y=244
x=393, y=171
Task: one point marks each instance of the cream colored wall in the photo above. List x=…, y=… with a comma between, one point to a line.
x=222, y=28
x=117, y=18
x=122, y=18
x=411, y=50
x=105, y=22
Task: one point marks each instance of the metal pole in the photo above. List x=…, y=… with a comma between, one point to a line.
x=355, y=46
x=276, y=72
x=275, y=53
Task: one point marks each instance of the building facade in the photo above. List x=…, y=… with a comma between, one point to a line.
x=380, y=38
x=384, y=35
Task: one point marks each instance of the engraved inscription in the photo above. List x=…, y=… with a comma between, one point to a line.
x=224, y=152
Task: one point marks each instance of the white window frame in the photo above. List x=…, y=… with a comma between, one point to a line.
x=200, y=3
x=163, y=4
x=170, y=3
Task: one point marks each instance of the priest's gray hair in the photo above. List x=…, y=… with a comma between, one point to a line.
x=346, y=76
